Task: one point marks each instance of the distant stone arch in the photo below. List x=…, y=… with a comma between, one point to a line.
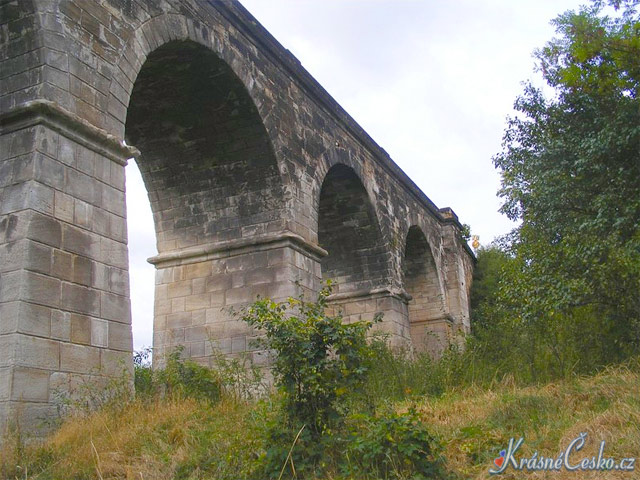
x=430, y=326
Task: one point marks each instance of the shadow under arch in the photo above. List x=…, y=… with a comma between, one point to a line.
x=207, y=161
x=430, y=326
x=349, y=230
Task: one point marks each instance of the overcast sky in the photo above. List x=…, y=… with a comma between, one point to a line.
x=432, y=82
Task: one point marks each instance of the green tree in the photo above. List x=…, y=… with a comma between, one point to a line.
x=570, y=169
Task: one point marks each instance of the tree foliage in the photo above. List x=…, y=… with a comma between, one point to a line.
x=570, y=169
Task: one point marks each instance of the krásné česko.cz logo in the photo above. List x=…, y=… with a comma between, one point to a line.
x=569, y=459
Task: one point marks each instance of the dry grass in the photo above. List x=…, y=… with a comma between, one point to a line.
x=179, y=438
x=475, y=424
x=189, y=439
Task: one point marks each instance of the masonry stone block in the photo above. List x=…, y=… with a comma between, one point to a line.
x=40, y=289
x=62, y=265
x=30, y=384
x=37, y=257
x=63, y=207
x=238, y=296
x=179, y=319
x=119, y=337
x=27, y=195
x=99, y=333
x=10, y=285
x=79, y=358
x=197, y=349
x=178, y=304
x=80, y=329
x=76, y=298
x=193, y=334
x=9, y=315
x=81, y=242
x=60, y=325
x=116, y=364
x=82, y=270
x=11, y=256
x=6, y=377
x=115, y=307
x=34, y=319
x=221, y=345
x=48, y=171
x=179, y=289
x=33, y=351
x=118, y=281
x=198, y=286
x=197, y=302
x=113, y=253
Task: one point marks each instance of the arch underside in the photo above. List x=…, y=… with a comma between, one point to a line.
x=348, y=229
x=207, y=161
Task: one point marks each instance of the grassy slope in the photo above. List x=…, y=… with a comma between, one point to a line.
x=189, y=439
x=475, y=424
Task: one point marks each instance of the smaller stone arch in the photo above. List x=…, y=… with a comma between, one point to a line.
x=349, y=230
x=429, y=324
x=358, y=256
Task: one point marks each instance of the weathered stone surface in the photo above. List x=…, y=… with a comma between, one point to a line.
x=30, y=384
x=79, y=358
x=260, y=185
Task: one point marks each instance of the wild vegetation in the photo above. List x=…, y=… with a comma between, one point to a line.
x=418, y=425
x=554, y=350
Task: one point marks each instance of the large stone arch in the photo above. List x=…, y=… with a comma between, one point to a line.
x=213, y=182
x=152, y=35
x=206, y=158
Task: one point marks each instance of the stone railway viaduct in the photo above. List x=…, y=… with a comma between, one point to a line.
x=259, y=182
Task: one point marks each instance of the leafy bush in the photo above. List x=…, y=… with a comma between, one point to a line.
x=321, y=367
x=318, y=358
x=241, y=378
x=392, y=446
x=187, y=378
x=143, y=374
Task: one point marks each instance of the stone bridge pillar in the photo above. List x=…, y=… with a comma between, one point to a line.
x=366, y=304
x=64, y=293
x=200, y=290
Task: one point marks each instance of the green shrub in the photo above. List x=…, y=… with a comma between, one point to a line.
x=318, y=358
x=241, y=378
x=143, y=374
x=178, y=377
x=186, y=377
x=391, y=446
x=318, y=362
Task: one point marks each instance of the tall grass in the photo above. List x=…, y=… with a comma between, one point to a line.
x=178, y=434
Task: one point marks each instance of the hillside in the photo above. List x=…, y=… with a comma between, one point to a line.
x=184, y=438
